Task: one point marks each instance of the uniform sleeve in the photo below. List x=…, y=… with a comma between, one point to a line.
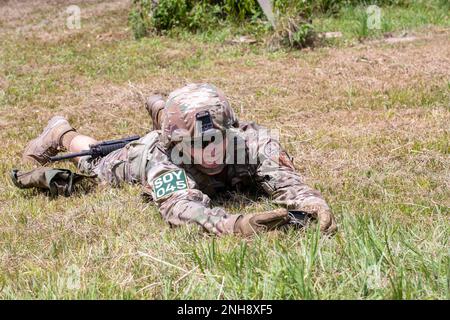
x=178, y=199
x=276, y=174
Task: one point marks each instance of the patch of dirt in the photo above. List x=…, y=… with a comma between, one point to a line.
x=324, y=100
x=400, y=39
x=47, y=20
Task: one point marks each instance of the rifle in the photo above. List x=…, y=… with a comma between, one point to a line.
x=298, y=219
x=98, y=150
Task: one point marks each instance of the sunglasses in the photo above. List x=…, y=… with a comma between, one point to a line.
x=203, y=142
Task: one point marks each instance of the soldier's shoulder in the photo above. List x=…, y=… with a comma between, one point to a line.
x=249, y=129
x=153, y=143
x=151, y=138
x=247, y=126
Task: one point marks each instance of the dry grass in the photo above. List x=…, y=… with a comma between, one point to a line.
x=368, y=125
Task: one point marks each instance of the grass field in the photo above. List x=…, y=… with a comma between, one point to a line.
x=367, y=123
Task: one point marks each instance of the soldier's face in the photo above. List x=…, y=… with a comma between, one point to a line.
x=209, y=155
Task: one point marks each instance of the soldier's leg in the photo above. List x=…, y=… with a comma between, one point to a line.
x=111, y=169
x=122, y=165
x=154, y=105
x=49, y=142
x=106, y=168
x=78, y=143
x=59, y=135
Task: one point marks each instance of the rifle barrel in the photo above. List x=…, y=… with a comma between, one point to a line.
x=98, y=149
x=71, y=155
x=129, y=139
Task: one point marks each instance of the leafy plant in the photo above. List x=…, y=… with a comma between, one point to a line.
x=293, y=32
x=240, y=10
x=139, y=17
x=169, y=14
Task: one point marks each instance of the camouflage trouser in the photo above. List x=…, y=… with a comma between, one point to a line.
x=113, y=169
x=129, y=165
x=123, y=165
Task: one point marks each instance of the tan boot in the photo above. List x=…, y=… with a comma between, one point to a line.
x=253, y=223
x=154, y=105
x=48, y=143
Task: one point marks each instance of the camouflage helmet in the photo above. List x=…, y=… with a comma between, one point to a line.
x=194, y=109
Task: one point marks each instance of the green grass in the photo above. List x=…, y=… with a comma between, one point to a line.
x=373, y=256
x=367, y=125
x=352, y=21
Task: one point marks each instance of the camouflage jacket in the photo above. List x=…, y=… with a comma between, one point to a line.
x=182, y=191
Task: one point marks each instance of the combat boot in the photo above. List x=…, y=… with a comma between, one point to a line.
x=48, y=143
x=154, y=105
x=250, y=224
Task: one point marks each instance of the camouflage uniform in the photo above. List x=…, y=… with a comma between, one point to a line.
x=149, y=161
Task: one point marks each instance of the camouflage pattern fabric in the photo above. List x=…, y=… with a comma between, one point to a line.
x=185, y=205
x=182, y=192
x=56, y=181
x=122, y=165
x=178, y=120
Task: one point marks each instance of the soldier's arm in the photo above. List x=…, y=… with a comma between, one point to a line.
x=178, y=200
x=277, y=176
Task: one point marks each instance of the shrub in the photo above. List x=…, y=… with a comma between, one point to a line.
x=139, y=17
x=169, y=14
x=163, y=15
x=201, y=15
x=241, y=10
x=292, y=32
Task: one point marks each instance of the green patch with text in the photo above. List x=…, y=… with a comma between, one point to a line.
x=169, y=182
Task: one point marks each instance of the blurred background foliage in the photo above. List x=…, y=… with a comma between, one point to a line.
x=294, y=26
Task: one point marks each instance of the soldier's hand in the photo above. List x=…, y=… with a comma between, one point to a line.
x=250, y=224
